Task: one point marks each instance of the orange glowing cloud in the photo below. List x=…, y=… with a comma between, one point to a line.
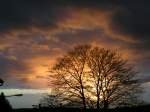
x=39, y=48
x=91, y=19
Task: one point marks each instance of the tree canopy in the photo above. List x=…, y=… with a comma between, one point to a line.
x=95, y=77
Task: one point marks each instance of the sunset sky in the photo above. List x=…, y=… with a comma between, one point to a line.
x=34, y=33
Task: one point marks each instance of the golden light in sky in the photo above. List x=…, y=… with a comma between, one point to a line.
x=31, y=41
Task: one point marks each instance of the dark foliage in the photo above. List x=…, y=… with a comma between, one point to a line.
x=4, y=104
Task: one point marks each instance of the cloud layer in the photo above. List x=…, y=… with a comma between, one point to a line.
x=34, y=33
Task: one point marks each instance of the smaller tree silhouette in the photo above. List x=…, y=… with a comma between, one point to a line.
x=51, y=101
x=4, y=103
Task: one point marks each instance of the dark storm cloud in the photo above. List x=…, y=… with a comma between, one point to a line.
x=10, y=66
x=82, y=35
x=133, y=16
x=130, y=17
x=135, y=20
x=23, y=14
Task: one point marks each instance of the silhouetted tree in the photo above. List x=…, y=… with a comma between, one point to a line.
x=51, y=101
x=70, y=74
x=4, y=103
x=97, y=77
x=113, y=79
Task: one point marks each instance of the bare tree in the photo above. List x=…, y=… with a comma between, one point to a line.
x=114, y=80
x=92, y=74
x=51, y=101
x=70, y=75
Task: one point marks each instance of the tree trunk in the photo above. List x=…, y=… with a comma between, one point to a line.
x=83, y=97
x=82, y=93
x=105, y=106
x=97, y=102
x=84, y=103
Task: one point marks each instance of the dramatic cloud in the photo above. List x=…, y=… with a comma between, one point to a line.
x=34, y=33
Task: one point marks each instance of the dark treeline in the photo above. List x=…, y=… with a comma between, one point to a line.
x=144, y=108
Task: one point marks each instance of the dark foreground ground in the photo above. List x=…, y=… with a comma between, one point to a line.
x=145, y=108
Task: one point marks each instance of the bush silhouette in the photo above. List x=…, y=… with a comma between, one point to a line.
x=4, y=104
